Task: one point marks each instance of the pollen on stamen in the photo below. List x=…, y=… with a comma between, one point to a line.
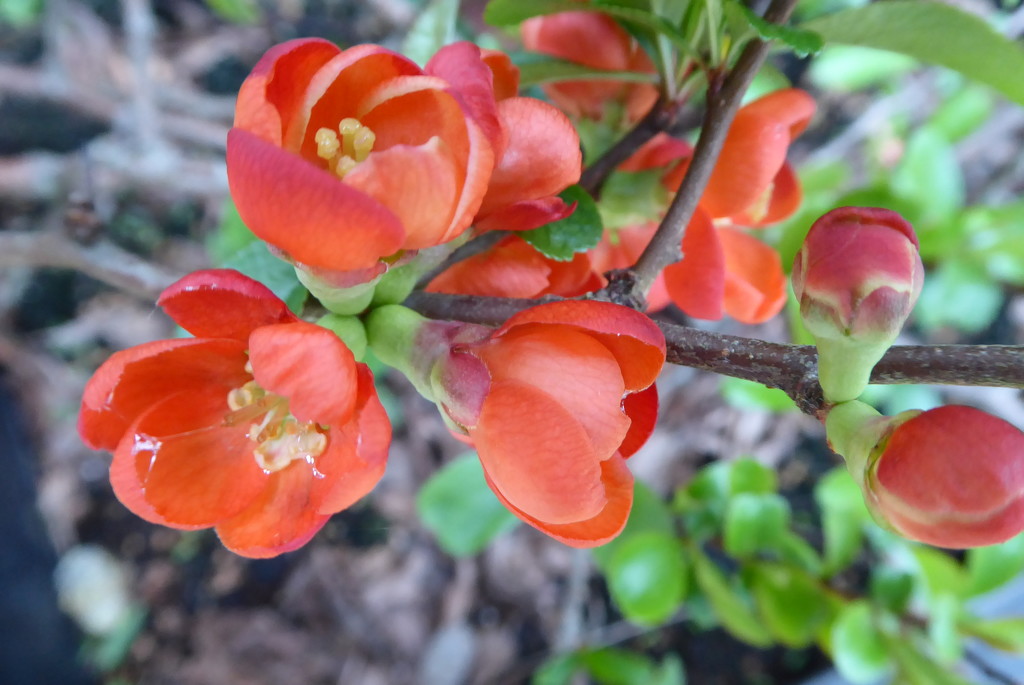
x=327, y=144
x=292, y=441
x=362, y=143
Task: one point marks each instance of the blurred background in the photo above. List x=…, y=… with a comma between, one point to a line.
x=113, y=118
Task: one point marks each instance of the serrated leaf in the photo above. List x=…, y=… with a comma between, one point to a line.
x=991, y=567
x=647, y=577
x=802, y=41
x=537, y=69
x=792, y=603
x=255, y=261
x=456, y=505
x=859, y=650
x=931, y=32
x=433, y=29
x=729, y=605
x=577, y=232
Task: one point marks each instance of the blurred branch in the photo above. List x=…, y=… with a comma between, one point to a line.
x=722, y=104
x=788, y=367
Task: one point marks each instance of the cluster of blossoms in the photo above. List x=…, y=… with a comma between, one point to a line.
x=365, y=171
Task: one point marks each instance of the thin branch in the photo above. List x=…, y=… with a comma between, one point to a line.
x=790, y=368
x=990, y=671
x=723, y=103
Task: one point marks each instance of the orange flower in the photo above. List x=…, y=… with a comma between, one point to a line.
x=513, y=268
x=555, y=400
x=343, y=159
x=262, y=426
x=594, y=40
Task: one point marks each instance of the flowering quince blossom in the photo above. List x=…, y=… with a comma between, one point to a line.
x=345, y=160
x=725, y=270
x=857, y=277
x=595, y=40
x=554, y=401
x=261, y=426
x=951, y=476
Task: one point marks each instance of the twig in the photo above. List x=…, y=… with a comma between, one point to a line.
x=790, y=368
x=722, y=106
x=990, y=671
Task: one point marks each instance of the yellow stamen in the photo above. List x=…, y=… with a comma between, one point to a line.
x=345, y=151
x=362, y=143
x=344, y=165
x=291, y=441
x=327, y=144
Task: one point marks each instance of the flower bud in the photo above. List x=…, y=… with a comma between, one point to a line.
x=950, y=477
x=857, y=276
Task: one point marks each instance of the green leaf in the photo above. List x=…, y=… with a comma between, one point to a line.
x=792, y=603
x=991, y=567
x=647, y=577
x=860, y=651
x=433, y=29
x=751, y=476
x=631, y=198
x=255, y=261
x=929, y=176
x=960, y=115
x=916, y=668
x=802, y=41
x=754, y=522
x=931, y=32
x=20, y=13
x=538, y=69
x=943, y=632
x=458, y=507
x=794, y=550
x=577, y=232
x=558, y=670
x=231, y=236
x=1002, y=633
x=729, y=604
x=238, y=11
x=648, y=515
x=611, y=666
x=891, y=587
x=941, y=573
x=843, y=516
x=508, y=12
x=958, y=295
x=846, y=68
x=744, y=394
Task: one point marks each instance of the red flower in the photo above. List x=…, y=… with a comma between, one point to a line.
x=950, y=477
x=555, y=400
x=594, y=40
x=262, y=426
x=342, y=159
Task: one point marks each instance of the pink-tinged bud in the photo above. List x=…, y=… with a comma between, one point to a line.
x=950, y=477
x=857, y=277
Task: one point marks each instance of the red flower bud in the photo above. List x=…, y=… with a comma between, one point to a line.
x=857, y=278
x=950, y=477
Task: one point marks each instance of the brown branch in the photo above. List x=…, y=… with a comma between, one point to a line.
x=790, y=368
x=723, y=103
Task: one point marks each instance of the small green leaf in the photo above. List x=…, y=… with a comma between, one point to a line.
x=20, y=13
x=860, y=651
x=508, y=12
x=802, y=41
x=647, y=577
x=794, y=550
x=941, y=573
x=255, y=261
x=751, y=476
x=729, y=604
x=991, y=567
x=433, y=29
x=891, y=587
x=558, y=670
x=929, y=176
x=843, y=516
x=916, y=668
x=648, y=515
x=754, y=522
x=846, y=68
x=1002, y=633
x=611, y=666
x=959, y=295
x=231, y=236
x=943, y=632
x=577, y=232
x=458, y=507
x=960, y=115
x=238, y=11
x=537, y=69
x=744, y=394
x=792, y=603
x=931, y=32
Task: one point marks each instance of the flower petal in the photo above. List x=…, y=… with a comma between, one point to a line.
x=272, y=93
x=642, y=410
x=537, y=455
x=506, y=74
x=461, y=65
x=573, y=368
x=278, y=520
x=133, y=380
x=418, y=183
x=305, y=211
x=697, y=283
x=526, y=215
x=755, y=285
x=609, y=522
x=222, y=303
x=308, y=365
x=542, y=156
x=188, y=467
x=510, y=269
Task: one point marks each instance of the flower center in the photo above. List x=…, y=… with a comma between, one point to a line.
x=280, y=437
x=344, y=152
